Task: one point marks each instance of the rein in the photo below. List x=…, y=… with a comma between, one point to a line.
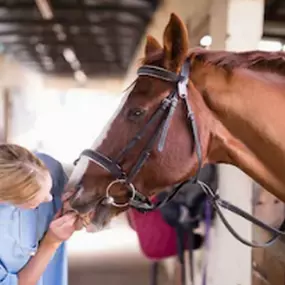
x=163, y=116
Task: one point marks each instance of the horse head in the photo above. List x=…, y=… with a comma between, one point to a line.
x=153, y=141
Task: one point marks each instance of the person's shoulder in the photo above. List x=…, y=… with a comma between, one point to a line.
x=56, y=170
x=48, y=160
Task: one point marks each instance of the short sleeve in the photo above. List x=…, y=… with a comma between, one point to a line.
x=55, y=168
x=7, y=278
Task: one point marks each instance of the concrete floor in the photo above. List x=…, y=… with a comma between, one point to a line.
x=109, y=257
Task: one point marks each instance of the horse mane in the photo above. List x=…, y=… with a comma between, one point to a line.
x=254, y=60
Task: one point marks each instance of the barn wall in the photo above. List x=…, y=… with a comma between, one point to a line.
x=267, y=266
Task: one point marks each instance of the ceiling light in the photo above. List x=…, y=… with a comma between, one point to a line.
x=206, y=41
x=61, y=36
x=49, y=66
x=48, y=63
x=45, y=9
x=268, y=45
x=75, y=65
x=69, y=55
x=57, y=28
x=40, y=48
x=80, y=76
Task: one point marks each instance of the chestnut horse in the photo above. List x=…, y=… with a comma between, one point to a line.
x=187, y=108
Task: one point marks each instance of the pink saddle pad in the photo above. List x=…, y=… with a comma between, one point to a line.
x=157, y=239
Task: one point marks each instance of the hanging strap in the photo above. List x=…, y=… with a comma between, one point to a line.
x=180, y=253
x=154, y=270
x=208, y=215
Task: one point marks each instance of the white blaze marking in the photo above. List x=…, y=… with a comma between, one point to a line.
x=82, y=163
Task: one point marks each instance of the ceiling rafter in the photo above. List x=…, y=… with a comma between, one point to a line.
x=102, y=35
x=114, y=8
x=274, y=20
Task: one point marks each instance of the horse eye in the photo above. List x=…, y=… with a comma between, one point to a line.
x=135, y=114
x=138, y=112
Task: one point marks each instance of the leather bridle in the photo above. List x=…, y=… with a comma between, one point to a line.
x=162, y=116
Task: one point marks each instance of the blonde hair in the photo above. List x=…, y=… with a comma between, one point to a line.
x=19, y=174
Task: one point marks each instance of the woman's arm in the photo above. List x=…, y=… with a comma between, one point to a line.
x=60, y=230
x=34, y=269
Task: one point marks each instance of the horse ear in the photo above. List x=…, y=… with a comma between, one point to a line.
x=175, y=43
x=152, y=45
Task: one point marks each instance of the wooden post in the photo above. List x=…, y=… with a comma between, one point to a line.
x=6, y=115
x=268, y=263
x=4, y=111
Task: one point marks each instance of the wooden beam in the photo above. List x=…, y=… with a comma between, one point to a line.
x=74, y=40
x=6, y=115
x=141, y=12
x=66, y=22
x=272, y=9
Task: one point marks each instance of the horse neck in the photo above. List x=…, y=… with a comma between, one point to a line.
x=248, y=111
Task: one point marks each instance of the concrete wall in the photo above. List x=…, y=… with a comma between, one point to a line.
x=61, y=123
x=111, y=85
x=55, y=115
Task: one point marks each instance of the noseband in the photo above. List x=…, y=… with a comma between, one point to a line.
x=162, y=116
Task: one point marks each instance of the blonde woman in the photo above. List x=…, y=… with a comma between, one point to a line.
x=32, y=235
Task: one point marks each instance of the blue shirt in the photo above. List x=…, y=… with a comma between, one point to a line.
x=19, y=229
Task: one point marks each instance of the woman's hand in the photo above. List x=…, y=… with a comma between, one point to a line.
x=67, y=208
x=61, y=228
